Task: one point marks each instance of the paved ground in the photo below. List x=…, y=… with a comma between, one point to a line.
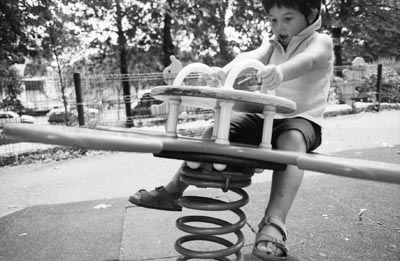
x=77, y=209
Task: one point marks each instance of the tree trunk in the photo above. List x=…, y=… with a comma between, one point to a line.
x=224, y=53
x=168, y=45
x=124, y=66
x=60, y=76
x=337, y=46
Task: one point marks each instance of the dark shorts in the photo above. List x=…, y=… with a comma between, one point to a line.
x=247, y=128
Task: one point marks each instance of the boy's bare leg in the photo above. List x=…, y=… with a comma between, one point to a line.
x=175, y=184
x=284, y=187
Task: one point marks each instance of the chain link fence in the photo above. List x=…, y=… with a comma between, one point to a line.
x=124, y=100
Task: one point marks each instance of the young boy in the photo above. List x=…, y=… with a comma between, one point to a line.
x=298, y=65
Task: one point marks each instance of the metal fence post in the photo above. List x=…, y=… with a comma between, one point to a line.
x=79, y=100
x=378, y=87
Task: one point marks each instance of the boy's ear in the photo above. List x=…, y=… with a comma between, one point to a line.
x=313, y=16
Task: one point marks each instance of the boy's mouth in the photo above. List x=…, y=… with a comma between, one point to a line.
x=283, y=37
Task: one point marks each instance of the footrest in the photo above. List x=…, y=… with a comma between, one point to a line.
x=217, y=179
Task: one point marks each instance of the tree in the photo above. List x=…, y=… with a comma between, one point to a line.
x=168, y=45
x=249, y=21
x=123, y=63
x=140, y=22
x=215, y=14
x=16, y=42
x=366, y=28
x=11, y=88
x=60, y=43
x=133, y=42
x=204, y=31
x=202, y=24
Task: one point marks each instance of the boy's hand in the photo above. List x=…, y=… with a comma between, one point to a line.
x=271, y=76
x=217, y=78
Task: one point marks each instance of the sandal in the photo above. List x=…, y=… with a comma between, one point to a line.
x=280, y=243
x=157, y=199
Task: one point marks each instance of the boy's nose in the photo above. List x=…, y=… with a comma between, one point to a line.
x=278, y=27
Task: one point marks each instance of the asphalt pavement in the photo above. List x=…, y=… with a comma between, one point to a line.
x=78, y=209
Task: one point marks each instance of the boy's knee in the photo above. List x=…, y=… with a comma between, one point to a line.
x=291, y=140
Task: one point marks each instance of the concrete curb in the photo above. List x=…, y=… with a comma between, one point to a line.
x=358, y=107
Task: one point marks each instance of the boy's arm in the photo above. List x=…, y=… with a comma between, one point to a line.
x=320, y=48
x=261, y=54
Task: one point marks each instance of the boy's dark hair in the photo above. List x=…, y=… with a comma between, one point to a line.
x=306, y=7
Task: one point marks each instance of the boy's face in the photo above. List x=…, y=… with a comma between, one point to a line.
x=286, y=23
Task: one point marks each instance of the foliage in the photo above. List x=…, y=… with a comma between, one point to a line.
x=45, y=156
x=17, y=17
x=390, y=86
x=366, y=28
x=204, y=23
x=249, y=20
x=140, y=25
x=217, y=30
x=11, y=88
x=83, y=35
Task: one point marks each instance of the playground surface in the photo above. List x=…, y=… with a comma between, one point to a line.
x=78, y=209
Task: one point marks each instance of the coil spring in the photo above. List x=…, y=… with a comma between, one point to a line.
x=227, y=180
